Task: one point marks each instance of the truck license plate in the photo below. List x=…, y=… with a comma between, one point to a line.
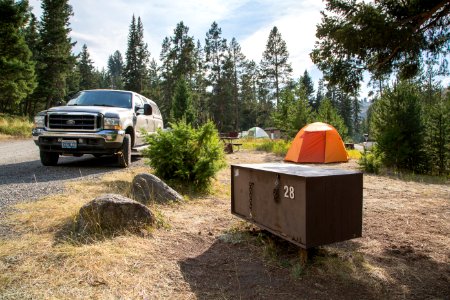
x=69, y=144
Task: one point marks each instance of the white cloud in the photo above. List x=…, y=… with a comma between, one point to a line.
x=103, y=25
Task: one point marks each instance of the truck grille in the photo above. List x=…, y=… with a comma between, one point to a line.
x=75, y=122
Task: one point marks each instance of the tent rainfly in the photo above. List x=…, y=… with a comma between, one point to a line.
x=317, y=143
x=257, y=132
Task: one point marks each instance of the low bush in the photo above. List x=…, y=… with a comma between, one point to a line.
x=371, y=161
x=15, y=126
x=187, y=155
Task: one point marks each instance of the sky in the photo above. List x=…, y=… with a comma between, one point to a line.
x=103, y=25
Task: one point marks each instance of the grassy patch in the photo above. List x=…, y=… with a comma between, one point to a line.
x=410, y=176
x=46, y=260
x=278, y=147
x=15, y=126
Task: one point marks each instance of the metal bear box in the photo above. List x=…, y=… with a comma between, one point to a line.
x=305, y=205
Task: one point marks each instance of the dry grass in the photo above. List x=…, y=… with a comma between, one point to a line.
x=38, y=264
x=15, y=126
x=199, y=250
x=4, y=137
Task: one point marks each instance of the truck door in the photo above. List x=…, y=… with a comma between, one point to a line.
x=150, y=118
x=157, y=118
x=141, y=120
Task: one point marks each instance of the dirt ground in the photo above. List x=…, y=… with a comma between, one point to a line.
x=404, y=251
x=202, y=251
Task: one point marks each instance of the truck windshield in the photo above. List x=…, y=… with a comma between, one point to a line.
x=102, y=98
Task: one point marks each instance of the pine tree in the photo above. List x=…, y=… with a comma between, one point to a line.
x=73, y=81
x=115, y=70
x=356, y=120
x=320, y=94
x=300, y=113
x=178, y=61
x=344, y=104
x=265, y=106
x=183, y=48
x=200, y=97
x=436, y=116
x=17, y=78
x=280, y=114
x=293, y=111
x=137, y=58
x=326, y=113
x=345, y=109
x=153, y=89
x=143, y=56
x=381, y=37
x=88, y=79
x=308, y=87
x=225, y=95
x=275, y=68
x=182, y=105
x=102, y=79
x=238, y=61
x=168, y=79
x=399, y=129
x=216, y=51
x=249, y=95
x=32, y=39
x=55, y=59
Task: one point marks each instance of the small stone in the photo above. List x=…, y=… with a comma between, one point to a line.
x=147, y=188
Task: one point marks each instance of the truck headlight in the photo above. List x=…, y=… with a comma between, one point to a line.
x=39, y=121
x=112, y=123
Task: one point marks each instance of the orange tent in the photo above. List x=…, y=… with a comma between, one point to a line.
x=317, y=143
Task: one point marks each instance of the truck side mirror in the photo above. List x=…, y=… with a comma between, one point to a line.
x=147, y=109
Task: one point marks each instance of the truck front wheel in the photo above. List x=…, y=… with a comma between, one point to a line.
x=124, y=156
x=49, y=158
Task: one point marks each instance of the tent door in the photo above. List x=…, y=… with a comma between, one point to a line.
x=313, y=147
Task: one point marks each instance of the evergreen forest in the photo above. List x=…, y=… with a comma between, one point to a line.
x=402, y=45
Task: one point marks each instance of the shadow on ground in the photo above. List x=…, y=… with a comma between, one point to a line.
x=243, y=271
x=67, y=168
x=238, y=271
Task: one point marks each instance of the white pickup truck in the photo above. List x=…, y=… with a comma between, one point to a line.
x=97, y=122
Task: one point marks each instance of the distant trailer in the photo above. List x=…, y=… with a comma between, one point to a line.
x=307, y=206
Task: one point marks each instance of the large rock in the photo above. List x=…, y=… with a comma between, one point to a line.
x=148, y=188
x=112, y=213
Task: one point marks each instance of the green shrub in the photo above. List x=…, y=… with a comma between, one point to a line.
x=188, y=155
x=371, y=161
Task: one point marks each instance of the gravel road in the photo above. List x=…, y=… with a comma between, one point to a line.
x=23, y=178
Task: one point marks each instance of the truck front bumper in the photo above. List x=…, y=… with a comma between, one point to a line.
x=100, y=142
